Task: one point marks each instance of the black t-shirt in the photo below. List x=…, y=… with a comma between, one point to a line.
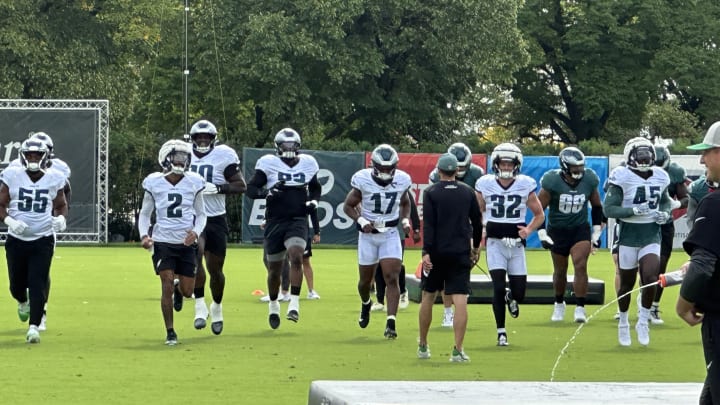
x=450, y=211
x=705, y=235
x=705, y=232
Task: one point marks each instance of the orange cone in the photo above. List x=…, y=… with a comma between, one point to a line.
x=258, y=293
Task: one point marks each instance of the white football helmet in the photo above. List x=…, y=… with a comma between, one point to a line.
x=464, y=158
x=34, y=146
x=203, y=127
x=44, y=138
x=174, y=156
x=384, y=161
x=287, y=143
x=639, y=154
x=506, y=152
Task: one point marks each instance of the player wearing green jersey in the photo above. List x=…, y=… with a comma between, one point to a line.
x=696, y=191
x=565, y=192
x=637, y=196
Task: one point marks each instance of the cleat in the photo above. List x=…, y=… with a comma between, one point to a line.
x=447, y=321
x=24, y=310
x=171, y=339
x=293, y=315
x=216, y=316
x=364, y=319
x=512, y=305
x=624, y=334
x=643, y=333
x=558, y=312
x=404, y=301
x=283, y=297
x=201, y=314
x=43, y=323
x=265, y=298
x=390, y=332
x=378, y=306
x=177, y=298
x=459, y=356
x=580, y=316
x=617, y=316
x=33, y=335
x=502, y=340
x=274, y=321
x=655, y=316
x=423, y=352
x=313, y=295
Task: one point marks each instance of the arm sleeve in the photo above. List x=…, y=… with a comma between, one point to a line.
x=314, y=189
x=691, y=210
x=476, y=221
x=200, y=216
x=148, y=205
x=428, y=223
x=314, y=221
x=699, y=273
x=255, y=185
x=596, y=213
x=665, y=201
x=612, y=206
x=414, y=216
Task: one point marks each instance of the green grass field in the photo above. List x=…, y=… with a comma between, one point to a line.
x=105, y=338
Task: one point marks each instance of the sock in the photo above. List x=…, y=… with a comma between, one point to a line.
x=623, y=317
x=274, y=307
x=390, y=323
x=389, y=317
x=367, y=302
x=448, y=311
x=655, y=304
x=644, y=315
x=501, y=331
x=294, y=303
x=580, y=301
x=295, y=290
x=559, y=299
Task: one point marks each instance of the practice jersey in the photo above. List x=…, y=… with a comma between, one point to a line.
x=292, y=181
x=677, y=176
x=32, y=202
x=568, y=203
x=505, y=208
x=637, y=190
x=211, y=167
x=471, y=177
x=55, y=163
x=380, y=205
x=174, y=205
x=698, y=189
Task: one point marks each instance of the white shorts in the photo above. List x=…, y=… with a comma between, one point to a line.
x=502, y=257
x=372, y=247
x=629, y=257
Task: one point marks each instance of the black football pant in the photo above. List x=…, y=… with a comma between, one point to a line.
x=28, y=270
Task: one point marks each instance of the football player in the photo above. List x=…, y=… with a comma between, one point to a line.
x=220, y=167
x=637, y=196
x=33, y=206
x=566, y=193
x=377, y=202
x=504, y=198
x=291, y=191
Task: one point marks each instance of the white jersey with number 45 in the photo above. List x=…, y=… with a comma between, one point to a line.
x=505, y=205
x=637, y=190
x=380, y=204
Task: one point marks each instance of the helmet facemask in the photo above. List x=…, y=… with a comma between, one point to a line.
x=384, y=162
x=177, y=162
x=203, y=142
x=464, y=157
x=642, y=158
x=572, y=163
x=34, y=155
x=506, y=174
x=287, y=144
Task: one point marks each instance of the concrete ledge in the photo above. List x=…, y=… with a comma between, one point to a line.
x=496, y=392
x=539, y=290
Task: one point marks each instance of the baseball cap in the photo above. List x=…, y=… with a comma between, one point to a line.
x=711, y=140
x=447, y=162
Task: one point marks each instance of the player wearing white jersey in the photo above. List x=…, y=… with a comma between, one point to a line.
x=32, y=205
x=220, y=167
x=378, y=202
x=504, y=198
x=176, y=197
x=637, y=196
x=288, y=183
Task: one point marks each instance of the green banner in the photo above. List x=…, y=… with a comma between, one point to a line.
x=336, y=169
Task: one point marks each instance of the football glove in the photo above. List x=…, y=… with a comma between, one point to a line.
x=641, y=209
x=274, y=191
x=58, y=223
x=661, y=217
x=211, y=188
x=545, y=240
x=15, y=226
x=311, y=206
x=596, y=233
x=675, y=204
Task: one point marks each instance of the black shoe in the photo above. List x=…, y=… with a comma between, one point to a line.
x=512, y=305
x=200, y=323
x=171, y=339
x=390, y=332
x=274, y=321
x=365, y=315
x=216, y=327
x=293, y=315
x=177, y=299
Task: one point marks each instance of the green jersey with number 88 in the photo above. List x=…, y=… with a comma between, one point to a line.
x=568, y=203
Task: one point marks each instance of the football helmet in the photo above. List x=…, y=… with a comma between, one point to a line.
x=287, y=143
x=639, y=154
x=464, y=158
x=33, y=146
x=203, y=127
x=506, y=152
x=174, y=156
x=572, y=157
x=44, y=138
x=384, y=162
x=662, y=156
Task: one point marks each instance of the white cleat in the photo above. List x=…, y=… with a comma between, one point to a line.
x=43, y=323
x=643, y=333
x=33, y=335
x=404, y=301
x=313, y=295
x=447, y=321
x=624, y=334
x=558, y=312
x=580, y=316
x=655, y=316
x=377, y=306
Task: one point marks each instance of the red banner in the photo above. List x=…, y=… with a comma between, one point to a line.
x=419, y=166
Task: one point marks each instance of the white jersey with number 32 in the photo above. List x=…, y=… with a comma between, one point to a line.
x=505, y=205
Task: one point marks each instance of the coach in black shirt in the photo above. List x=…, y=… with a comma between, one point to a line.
x=450, y=209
